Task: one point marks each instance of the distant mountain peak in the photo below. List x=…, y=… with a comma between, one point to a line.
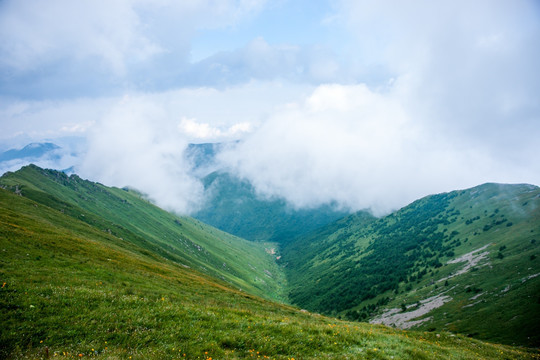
x=30, y=151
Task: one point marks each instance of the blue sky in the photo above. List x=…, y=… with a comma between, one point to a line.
x=367, y=104
x=301, y=23
x=56, y=51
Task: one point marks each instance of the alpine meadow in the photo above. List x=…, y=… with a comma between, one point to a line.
x=255, y=179
x=92, y=271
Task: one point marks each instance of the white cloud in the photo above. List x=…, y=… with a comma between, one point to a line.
x=116, y=32
x=138, y=144
x=35, y=33
x=460, y=109
x=204, y=131
x=362, y=149
x=450, y=96
x=469, y=65
x=96, y=46
x=138, y=140
x=229, y=110
x=77, y=128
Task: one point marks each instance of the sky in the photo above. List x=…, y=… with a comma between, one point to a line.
x=369, y=105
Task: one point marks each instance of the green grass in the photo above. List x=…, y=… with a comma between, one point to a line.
x=71, y=290
x=127, y=215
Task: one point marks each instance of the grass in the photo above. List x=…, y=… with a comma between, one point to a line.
x=128, y=215
x=71, y=290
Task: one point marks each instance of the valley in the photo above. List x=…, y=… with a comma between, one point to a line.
x=94, y=271
x=234, y=206
x=269, y=180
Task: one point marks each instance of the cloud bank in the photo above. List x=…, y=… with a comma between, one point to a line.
x=59, y=48
x=140, y=140
x=139, y=145
x=460, y=109
x=399, y=101
x=356, y=147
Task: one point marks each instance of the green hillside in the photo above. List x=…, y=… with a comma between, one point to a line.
x=466, y=261
x=72, y=289
x=127, y=215
x=234, y=206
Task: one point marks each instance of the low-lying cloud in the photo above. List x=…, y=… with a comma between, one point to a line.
x=460, y=108
x=139, y=145
x=356, y=147
x=140, y=140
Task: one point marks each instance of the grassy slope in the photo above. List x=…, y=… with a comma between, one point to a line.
x=71, y=290
x=127, y=215
x=235, y=207
x=361, y=267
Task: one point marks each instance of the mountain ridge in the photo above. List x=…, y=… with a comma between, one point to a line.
x=392, y=265
x=171, y=236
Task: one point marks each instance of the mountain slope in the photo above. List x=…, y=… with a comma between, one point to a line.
x=71, y=290
x=465, y=261
x=234, y=206
x=127, y=215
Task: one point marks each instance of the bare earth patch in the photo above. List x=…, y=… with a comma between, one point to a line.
x=529, y=277
x=471, y=259
x=405, y=320
x=476, y=296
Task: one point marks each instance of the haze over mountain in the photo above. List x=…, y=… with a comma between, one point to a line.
x=46, y=154
x=30, y=151
x=435, y=258
x=234, y=206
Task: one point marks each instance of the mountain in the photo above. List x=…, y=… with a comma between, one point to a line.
x=234, y=206
x=70, y=288
x=466, y=261
x=127, y=215
x=30, y=151
x=203, y=156
x=63, y=154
